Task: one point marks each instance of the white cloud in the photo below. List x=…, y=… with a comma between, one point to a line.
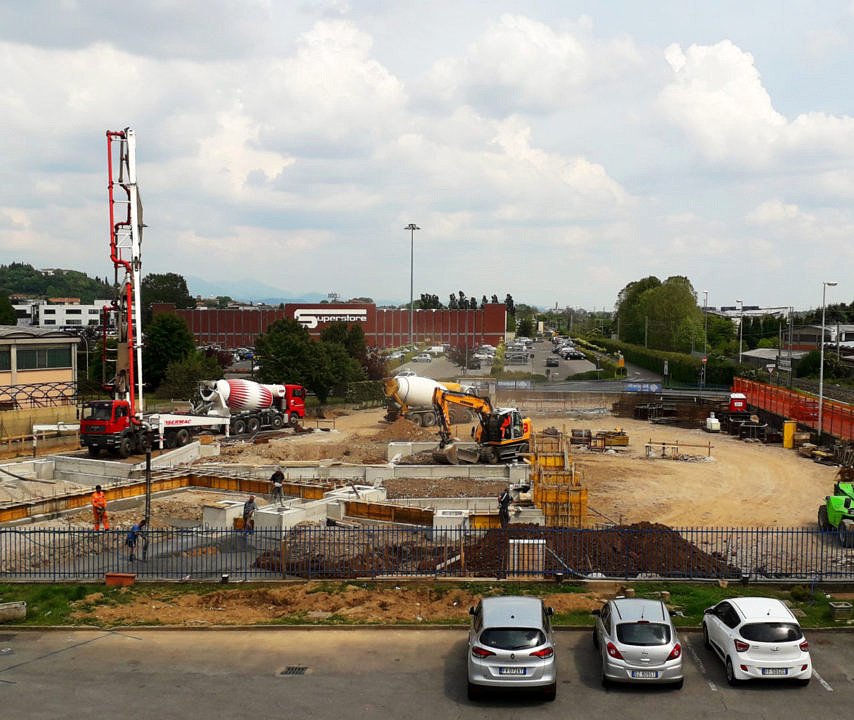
x=717, y=98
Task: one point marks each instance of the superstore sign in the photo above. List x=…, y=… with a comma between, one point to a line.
x=311, y=318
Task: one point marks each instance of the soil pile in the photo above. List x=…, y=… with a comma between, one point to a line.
x=403, y=430
x=309, y=602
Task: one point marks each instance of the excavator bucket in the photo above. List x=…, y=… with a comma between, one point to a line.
x=455, y=454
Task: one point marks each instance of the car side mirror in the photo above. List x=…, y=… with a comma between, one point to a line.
x=597, y=613
x=708, y=611
x=471, y=611
x=550, y=611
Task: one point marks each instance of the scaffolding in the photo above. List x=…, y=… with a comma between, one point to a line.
x=555, y=482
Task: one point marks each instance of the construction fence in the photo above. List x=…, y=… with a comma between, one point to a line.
x=515, y=552
x=836, y=418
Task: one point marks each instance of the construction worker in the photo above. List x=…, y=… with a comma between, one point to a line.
x=249, y=508
x=133, y=536
x=505, y=427
x=504, y=507
x=99, y=508
x=278, y=479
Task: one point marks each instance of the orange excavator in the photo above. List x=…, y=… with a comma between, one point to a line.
x=501, y=436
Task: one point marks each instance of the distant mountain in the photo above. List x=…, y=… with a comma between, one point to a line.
x=252, y=291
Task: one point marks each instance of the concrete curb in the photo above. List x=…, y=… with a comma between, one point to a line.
x=408, y=626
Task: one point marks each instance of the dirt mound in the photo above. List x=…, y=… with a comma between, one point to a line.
x=309, y=602
x=403, y=430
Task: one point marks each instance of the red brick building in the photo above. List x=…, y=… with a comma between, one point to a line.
x=384, y=327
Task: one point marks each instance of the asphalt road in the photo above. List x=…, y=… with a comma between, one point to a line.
x=364, y=674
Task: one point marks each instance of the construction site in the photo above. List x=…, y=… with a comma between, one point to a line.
x=592, y=484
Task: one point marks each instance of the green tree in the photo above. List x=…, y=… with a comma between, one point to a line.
x=331, y=367
x=7, y=312
x=666, y=313
x=164, y=288
x=183, y=376
x=631, y=310
x=525, y=327
x=167, y=338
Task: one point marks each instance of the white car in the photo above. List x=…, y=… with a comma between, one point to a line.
x=406, y=373
x=423, y=357
x=757, y=637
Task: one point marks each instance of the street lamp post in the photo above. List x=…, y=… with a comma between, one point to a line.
x=705, y=331
x=740, y=327
x=824, y=285
x=412, y=227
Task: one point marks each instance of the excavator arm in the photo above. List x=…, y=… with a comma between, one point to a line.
x=443, y=399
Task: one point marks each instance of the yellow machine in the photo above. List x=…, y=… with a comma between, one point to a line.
x=502, y=435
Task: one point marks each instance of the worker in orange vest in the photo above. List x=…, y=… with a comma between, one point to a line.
x=99, y=508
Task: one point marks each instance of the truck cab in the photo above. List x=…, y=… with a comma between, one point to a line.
x=294, y=403
x=106, y=425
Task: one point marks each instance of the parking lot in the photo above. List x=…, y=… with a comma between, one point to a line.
x=440, y=367
x=327, y=674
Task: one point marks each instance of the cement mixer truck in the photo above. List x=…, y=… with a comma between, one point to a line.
x=411, y=396
x=251, y=406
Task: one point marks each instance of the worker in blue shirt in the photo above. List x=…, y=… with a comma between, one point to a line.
x=133, y=536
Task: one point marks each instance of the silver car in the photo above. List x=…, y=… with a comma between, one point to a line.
x=511, y=645
x=637, y=642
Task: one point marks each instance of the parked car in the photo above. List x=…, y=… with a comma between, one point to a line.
x=552, y=362
x=406, y=373
x=511, y=645
x=757, y=637
x=637, y=642
x=423, y=357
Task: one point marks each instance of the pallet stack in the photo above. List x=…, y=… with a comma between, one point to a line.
x=555, y=483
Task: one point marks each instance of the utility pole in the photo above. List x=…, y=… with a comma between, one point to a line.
x=645, y=329
x=412, y=227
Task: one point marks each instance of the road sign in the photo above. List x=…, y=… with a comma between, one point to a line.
x=705, y=359
x=771, y=367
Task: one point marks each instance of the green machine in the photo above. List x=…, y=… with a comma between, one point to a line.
x=837, y=513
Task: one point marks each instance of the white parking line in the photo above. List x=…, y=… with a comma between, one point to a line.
x=824, y=683
x=701, y=667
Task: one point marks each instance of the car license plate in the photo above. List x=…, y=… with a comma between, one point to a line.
x=775, y=671
x=511, y=671
x=644, y=674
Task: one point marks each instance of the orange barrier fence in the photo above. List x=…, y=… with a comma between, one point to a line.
x=837, y=417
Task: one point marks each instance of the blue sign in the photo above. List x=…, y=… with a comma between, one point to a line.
x=643, y=387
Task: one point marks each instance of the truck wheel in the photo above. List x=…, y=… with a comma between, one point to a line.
x=252, y=425
x=294, y=420
x=277, y=422
x=94, y=451
x=428, y=420
x=823, y=522
x=182, y=437
x=417, y=419
x=125, y=447
x=238, y=427
x=169, y=440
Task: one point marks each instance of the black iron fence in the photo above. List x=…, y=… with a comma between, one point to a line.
x=336, y=552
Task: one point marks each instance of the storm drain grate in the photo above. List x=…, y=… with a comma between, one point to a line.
x=294, y=670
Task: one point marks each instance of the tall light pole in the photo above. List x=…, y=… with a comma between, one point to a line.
x=740, y=326
x=412, y=227
x=705, y=332
x=824, y=285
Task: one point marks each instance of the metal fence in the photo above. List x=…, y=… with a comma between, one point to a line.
x=335, y=552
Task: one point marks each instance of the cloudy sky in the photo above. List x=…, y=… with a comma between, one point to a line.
x=556, y=150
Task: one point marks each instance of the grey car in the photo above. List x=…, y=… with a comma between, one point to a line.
x=637, y=642
x=511, y=645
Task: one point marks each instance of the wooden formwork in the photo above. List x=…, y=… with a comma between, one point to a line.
x=388, y=512
x=159, y=483
x=562, y=505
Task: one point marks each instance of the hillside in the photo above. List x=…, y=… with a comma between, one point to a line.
x=21, y=278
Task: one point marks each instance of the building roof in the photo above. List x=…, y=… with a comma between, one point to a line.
x=15, y=332
x=773, y=353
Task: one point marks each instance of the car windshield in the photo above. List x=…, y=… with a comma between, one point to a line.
x=512, y=638
x=771, y=632
x=97, y=412
x=643, y=633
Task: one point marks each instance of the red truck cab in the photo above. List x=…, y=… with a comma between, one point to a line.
x=106, y=425
x=294, y=403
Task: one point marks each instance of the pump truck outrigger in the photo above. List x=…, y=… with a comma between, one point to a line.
x=502, y=435
x=119, y=424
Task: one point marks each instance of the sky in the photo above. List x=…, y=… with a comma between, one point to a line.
x=555, y=150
